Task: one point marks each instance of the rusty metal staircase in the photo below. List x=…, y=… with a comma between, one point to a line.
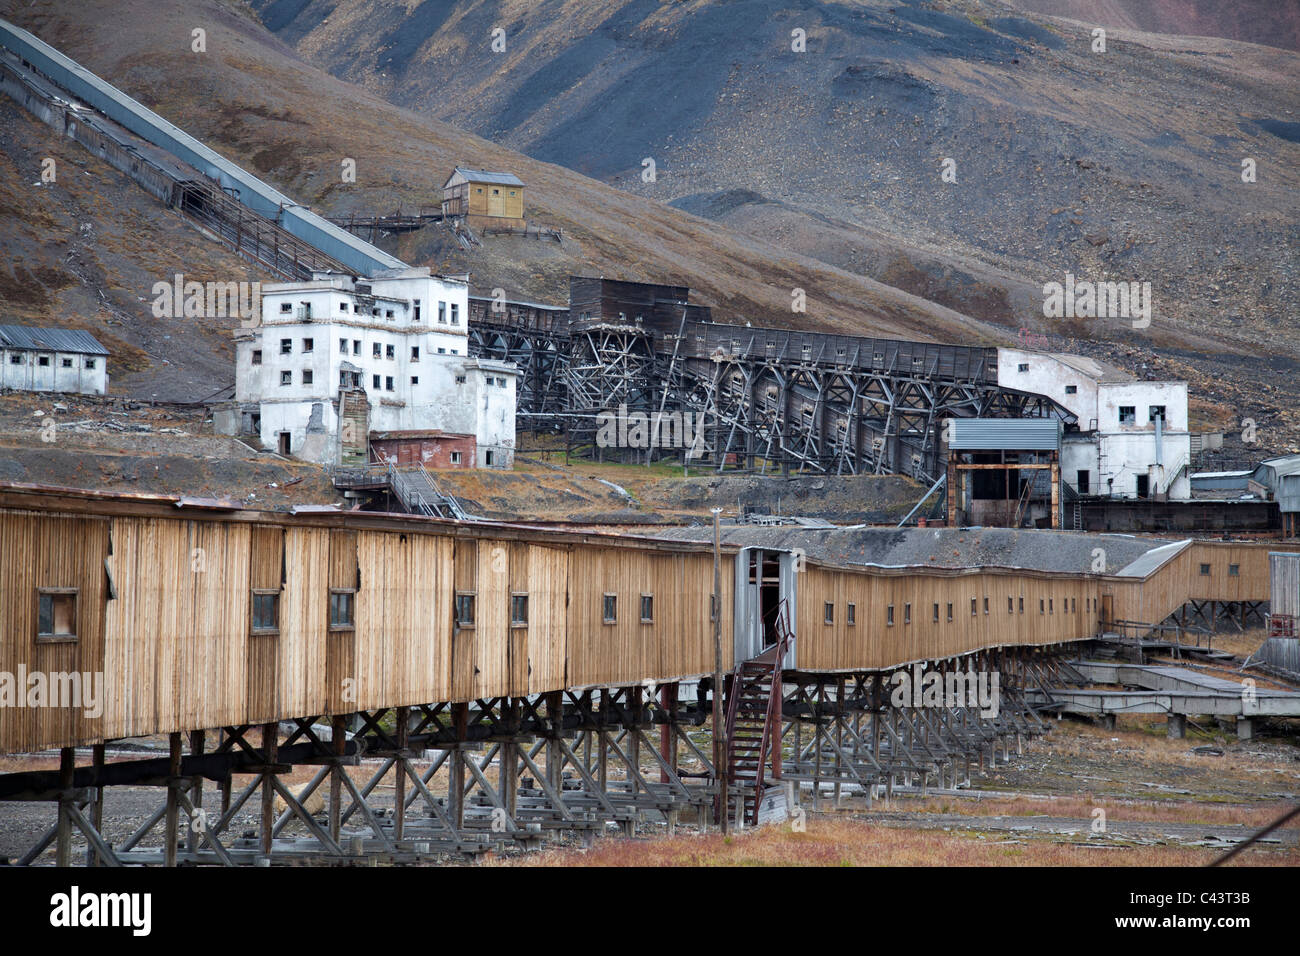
x=754, y=722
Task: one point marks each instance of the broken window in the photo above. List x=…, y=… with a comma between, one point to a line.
x=286, y=346
x=1156, y=411
x=1127, y=414
x=257, y=356
x=56, y=615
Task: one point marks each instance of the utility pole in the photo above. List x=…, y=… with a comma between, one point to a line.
x=719, y=724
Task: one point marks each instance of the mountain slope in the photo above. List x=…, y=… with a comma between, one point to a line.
x=1124, y=164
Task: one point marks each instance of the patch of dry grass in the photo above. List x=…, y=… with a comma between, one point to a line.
x=850, y=843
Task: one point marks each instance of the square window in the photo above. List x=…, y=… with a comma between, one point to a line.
x=415, y=380
x=609, y=608
x=851, y=614
x=442, y=351
x=1156, y=411
x=647, y=608
x=343, y=306
x=43, y=361
x=1234, y=570
x=257, y=356
x=501, y=382
x=286, y=307
x=455, y=458
x=266, y=611
x=388, y=313
x=1205, y=569
x=67, y=363
x=308, y=344
x=828, y=615
x=1072, y=390
x=464, y=608
x=90, y=363
x=286, y=378
x=341, y=609
x=518, y=610
x=1127, y=414
x=307, y=376
x=286, y=346
x=460, y=379
x=56, y=615
x=15, y=359
x=1023, y=367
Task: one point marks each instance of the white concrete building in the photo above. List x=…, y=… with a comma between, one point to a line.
x=37, y=359
x=392, y=350
x=1133, y=439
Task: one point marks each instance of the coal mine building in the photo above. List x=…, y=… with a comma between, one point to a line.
x=485, y=198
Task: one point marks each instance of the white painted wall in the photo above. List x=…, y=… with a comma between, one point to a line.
x=48, y=371
x=408, y=342
x=1043, y=374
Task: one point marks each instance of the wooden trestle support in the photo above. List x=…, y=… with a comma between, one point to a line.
x=462, y=779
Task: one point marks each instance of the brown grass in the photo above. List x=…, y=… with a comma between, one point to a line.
x=850, y=843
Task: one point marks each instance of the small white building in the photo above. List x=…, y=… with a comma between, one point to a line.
x=386, y=354
x=40, y=359
x=1133, y=439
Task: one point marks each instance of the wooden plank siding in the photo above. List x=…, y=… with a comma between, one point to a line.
x=1056, y=609
x=174, y=640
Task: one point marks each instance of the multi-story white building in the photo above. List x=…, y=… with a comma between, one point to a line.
x=336, y=359
x=1133, y=439
x=39, y=359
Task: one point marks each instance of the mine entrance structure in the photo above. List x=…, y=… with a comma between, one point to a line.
x=1004, y=472
x=752, y=398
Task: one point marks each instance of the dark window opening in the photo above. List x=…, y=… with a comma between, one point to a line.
x=341, y=609
x=519, y=610
x=609, y=608
x=56, y=615
x=647, y=609
x=266, y=612
x=464, y=609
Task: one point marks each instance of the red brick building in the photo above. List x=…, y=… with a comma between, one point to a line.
x=430, y=448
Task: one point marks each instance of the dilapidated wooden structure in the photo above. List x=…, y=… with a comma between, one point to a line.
x=561, y=652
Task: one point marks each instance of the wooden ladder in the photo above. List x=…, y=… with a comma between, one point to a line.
x=754, y=721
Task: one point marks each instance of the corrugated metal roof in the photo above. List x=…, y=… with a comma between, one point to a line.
x=992, y=434
x=43, y=338
x=487, y=176
x=1288, y=493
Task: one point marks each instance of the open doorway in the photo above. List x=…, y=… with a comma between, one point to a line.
x=285, y=442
